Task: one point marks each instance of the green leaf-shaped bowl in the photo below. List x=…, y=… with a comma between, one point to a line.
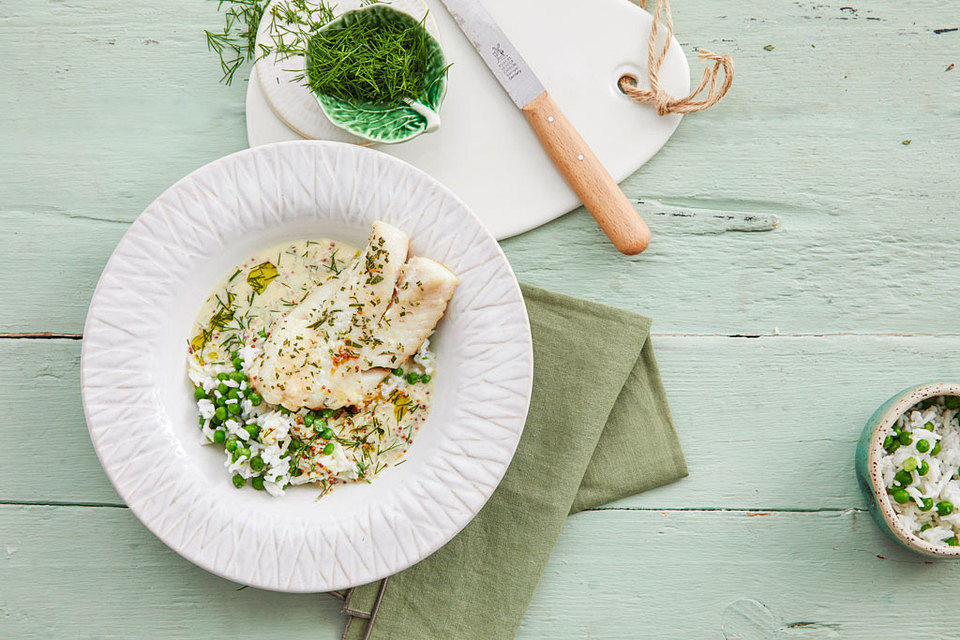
x=389, y=122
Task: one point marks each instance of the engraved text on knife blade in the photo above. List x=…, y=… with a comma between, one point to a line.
x=496, y=50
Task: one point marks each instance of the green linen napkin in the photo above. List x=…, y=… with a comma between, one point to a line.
x=598, y=429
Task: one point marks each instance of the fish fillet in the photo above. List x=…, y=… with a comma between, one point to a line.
x=338, y=344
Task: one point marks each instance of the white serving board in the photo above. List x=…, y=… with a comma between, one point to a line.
x=484, y=150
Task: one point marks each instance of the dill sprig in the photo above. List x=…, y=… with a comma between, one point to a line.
x=237, y=41
x=292, y=22
x=369, y=59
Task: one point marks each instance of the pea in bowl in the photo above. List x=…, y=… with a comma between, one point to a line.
x=908, y=468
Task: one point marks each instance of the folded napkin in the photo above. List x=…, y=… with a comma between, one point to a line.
x=598, y=429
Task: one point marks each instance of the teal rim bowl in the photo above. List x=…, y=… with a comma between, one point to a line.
x=870, y=451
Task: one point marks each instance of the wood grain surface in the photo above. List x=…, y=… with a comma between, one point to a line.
x=804, y=269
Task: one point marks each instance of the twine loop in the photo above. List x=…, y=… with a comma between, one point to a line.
x=711, y=86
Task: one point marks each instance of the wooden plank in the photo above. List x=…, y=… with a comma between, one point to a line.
x=811, y=133
x=70, y=275
x=614, y=574
x=682, y=575
x=83, y=572
x=107, y=103
x=768, y=423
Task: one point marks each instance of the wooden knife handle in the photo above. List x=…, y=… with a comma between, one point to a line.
x=584, y=172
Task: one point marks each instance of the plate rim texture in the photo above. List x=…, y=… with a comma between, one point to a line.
x=303, y=550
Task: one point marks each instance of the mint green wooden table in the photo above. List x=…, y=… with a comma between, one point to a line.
x=776, y=341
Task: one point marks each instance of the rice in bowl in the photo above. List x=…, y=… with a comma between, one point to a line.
x=921, y=470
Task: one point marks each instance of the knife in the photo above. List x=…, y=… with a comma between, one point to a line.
x=577, y=163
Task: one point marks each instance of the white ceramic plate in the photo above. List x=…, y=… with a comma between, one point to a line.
x=140, y=409
x=484, y=150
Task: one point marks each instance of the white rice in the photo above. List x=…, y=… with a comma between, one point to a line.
x=275, y=426
x=933, y=422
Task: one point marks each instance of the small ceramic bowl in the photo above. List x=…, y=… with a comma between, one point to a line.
x=389, y=123
x=870, y=451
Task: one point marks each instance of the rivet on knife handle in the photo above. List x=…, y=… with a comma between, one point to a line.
x=587, y=176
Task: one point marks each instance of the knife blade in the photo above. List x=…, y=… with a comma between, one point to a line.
x=577, y=163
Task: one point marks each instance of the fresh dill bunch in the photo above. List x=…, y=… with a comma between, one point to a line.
x=369, y=59
x=365, y=58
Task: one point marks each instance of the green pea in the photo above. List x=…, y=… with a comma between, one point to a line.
x=239, y=481
x=936, y=449
x=238, y=376
x=910, y=464
x=233, y=394
x=424, y=378
x=223, y=388
x=202, y=421
x=257, y=483
x=295, y=445
x=894, y=446
x=923, y=445
x=398, y=371
x=887, y=442
x=926, y=526
x=220, y=414
x=237, y=364
x=925, y=504
x=308, y=419
x=255, y=399
x=924, y=468
x=253, y=429
x=944, y=507
x=952, y=402
x=219, y=436
x=900, y=496
x=223, y=376
x=284, y=411
x=199, y=393
x=232, y=444
x=327, y=433
x=412, y=378
x=326, y=414
x=952, y=541
x=905, y=438
x=928, y=426
x=234, y=408
x=256, y=463
x=903, y=477
x=244, y=452
x=328, y=450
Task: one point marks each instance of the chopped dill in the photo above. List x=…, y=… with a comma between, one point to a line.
x=333, y=263
x=371, y=59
